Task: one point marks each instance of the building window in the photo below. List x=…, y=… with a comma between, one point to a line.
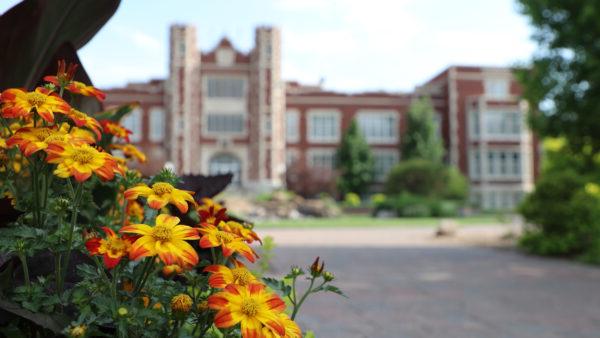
x=133, y=122
x=324, y=127
x=474, y=123
x=502, y=123
x=322, y=159
x=225, y=87
x=501, y=199
x=224, y=164
x=157, y=124
x=475, y=164
x=516, y=163
x=383, y=163
x=504, y=163
x=291, y=157
x=292, y=120
x=225, y=123
x=378, y=126
x=497, y=87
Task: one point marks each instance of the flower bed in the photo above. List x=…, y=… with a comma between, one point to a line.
x=92, y=248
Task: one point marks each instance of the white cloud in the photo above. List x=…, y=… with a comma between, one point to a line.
x=140, y=39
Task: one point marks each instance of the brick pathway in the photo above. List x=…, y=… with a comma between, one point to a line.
x=415, y=289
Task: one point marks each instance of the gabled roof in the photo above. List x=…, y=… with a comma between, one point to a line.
x=210, y=56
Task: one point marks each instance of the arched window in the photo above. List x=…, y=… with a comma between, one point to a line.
x=226, y=163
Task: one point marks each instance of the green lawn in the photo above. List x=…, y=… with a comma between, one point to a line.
x=366, y=221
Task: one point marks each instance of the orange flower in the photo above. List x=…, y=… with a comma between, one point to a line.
x=211, y=212
x=160, y=194
x=112, y=248
x=251, y=306
x=81, y=161
x=129, y=150
x=221, y=275
x=115, y=129
x=135, y=209
x=173, y=269
x=30, y=140
x=166, y=239
x=229, y=243
x=238, y=229
x=81, y=88
x=63, y=75
x=81, y=119
x=292, y=330
x=18, y=103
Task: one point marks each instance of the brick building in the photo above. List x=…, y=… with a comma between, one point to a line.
x=228, y=111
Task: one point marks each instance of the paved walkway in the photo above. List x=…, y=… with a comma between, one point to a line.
x=427, y=288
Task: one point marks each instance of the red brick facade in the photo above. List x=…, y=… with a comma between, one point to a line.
x=227, y=110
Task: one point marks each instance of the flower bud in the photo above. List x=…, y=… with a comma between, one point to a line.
x=202, y=306
x=296, y=271
x=315, y=269
x=122, y=311
x=328, y=276
x=181, y=304
x=78, y=331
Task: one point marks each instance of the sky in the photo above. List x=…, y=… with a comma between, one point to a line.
x=351, y=45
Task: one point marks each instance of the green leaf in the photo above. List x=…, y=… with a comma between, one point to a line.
x=54, y=323
x=33, y=30
x=334, y=289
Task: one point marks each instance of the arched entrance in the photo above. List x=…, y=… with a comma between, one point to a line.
x=226, y=163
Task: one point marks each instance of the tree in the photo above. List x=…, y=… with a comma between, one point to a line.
x=562, y=87
x=421, y=139
x=354, y=162
x=562, y=83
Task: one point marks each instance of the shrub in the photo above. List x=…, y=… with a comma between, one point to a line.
x=352, y=200
x=310, y=182
x=409, y=205
x=566, y=218
x=426, y=178
x=564, y=208
x=377, y=199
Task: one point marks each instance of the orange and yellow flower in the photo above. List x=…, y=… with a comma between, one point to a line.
x=238, y=229
x=251, y=306
x=160, y=194
x=30, y=140
x=112, y=248
x=167, y=239
x=292, y=330
x=81, y=119
x=115, y=129
x=81, y=88
x=19, y=103
x=221, y=275
x=80, y=161
x=64, y=74
x=229, y=243
x=135, y=210
x=211, y=212
x=130, y=151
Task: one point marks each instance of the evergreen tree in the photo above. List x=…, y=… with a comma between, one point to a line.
x=354, y=162
x=421, y=140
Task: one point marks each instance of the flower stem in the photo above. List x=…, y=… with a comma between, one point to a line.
x=297, y=306
x=143, y=277
x=65, y=268
x=23, y=260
